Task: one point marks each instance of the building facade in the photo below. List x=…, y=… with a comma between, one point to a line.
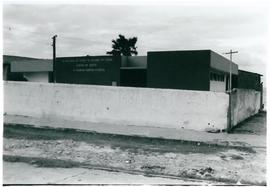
x=202, y=70
x=17, y=68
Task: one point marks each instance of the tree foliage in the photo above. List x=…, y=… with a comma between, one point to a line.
x=124, y=46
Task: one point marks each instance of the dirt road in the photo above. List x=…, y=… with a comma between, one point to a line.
x=22, y=173
x=54, y=148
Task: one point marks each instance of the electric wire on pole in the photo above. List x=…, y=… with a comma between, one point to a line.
x=230, y=82
x=230, y=93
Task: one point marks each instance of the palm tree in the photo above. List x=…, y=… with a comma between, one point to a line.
x=124, y=46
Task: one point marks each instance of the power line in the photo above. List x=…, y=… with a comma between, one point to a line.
x=75, y=38
x=37, y=42
x=230, y=53
x=10, y=29
x=31, y=40
x=23, y=30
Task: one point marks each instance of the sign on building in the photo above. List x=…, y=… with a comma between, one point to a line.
x=97, y=70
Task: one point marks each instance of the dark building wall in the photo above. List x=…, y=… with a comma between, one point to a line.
x=249, y=80
x=133, y=77
x=97, y=70
x=51, y=77
x=234, y=81
x=11, y=76
x=179, y=70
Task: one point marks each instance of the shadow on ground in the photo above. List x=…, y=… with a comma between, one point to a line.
x=253, y=125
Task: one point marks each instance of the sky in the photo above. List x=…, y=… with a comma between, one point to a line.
x=88, y=29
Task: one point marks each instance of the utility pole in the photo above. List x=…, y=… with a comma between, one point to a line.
x=230, y=82
x=230, y=116
x=54, y=57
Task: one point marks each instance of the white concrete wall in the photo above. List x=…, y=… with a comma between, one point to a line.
x=245, y=103
x=217, y=86
x=196, y=110
x=37, y=76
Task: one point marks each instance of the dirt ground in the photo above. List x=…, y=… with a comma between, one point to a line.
x=65, y=148
x=254, y=125
x=28, y=174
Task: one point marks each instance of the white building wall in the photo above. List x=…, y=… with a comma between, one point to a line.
x=37, y=76
x=217, y=82
x=217, y=86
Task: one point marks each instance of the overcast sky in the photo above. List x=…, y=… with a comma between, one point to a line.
x=89, y=29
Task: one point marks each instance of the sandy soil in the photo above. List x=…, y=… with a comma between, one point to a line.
x=22, y=173
x=67, y=148
x=231, y=165
x=255, y=125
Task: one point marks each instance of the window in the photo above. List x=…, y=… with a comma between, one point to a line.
x=216, y=77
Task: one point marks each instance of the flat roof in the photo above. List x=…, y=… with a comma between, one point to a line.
x=10, y=58
x=221, y=63
x=139, y=67
x=250, y=72
x=173, y=51
x=217, y=61
x=39, y=65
